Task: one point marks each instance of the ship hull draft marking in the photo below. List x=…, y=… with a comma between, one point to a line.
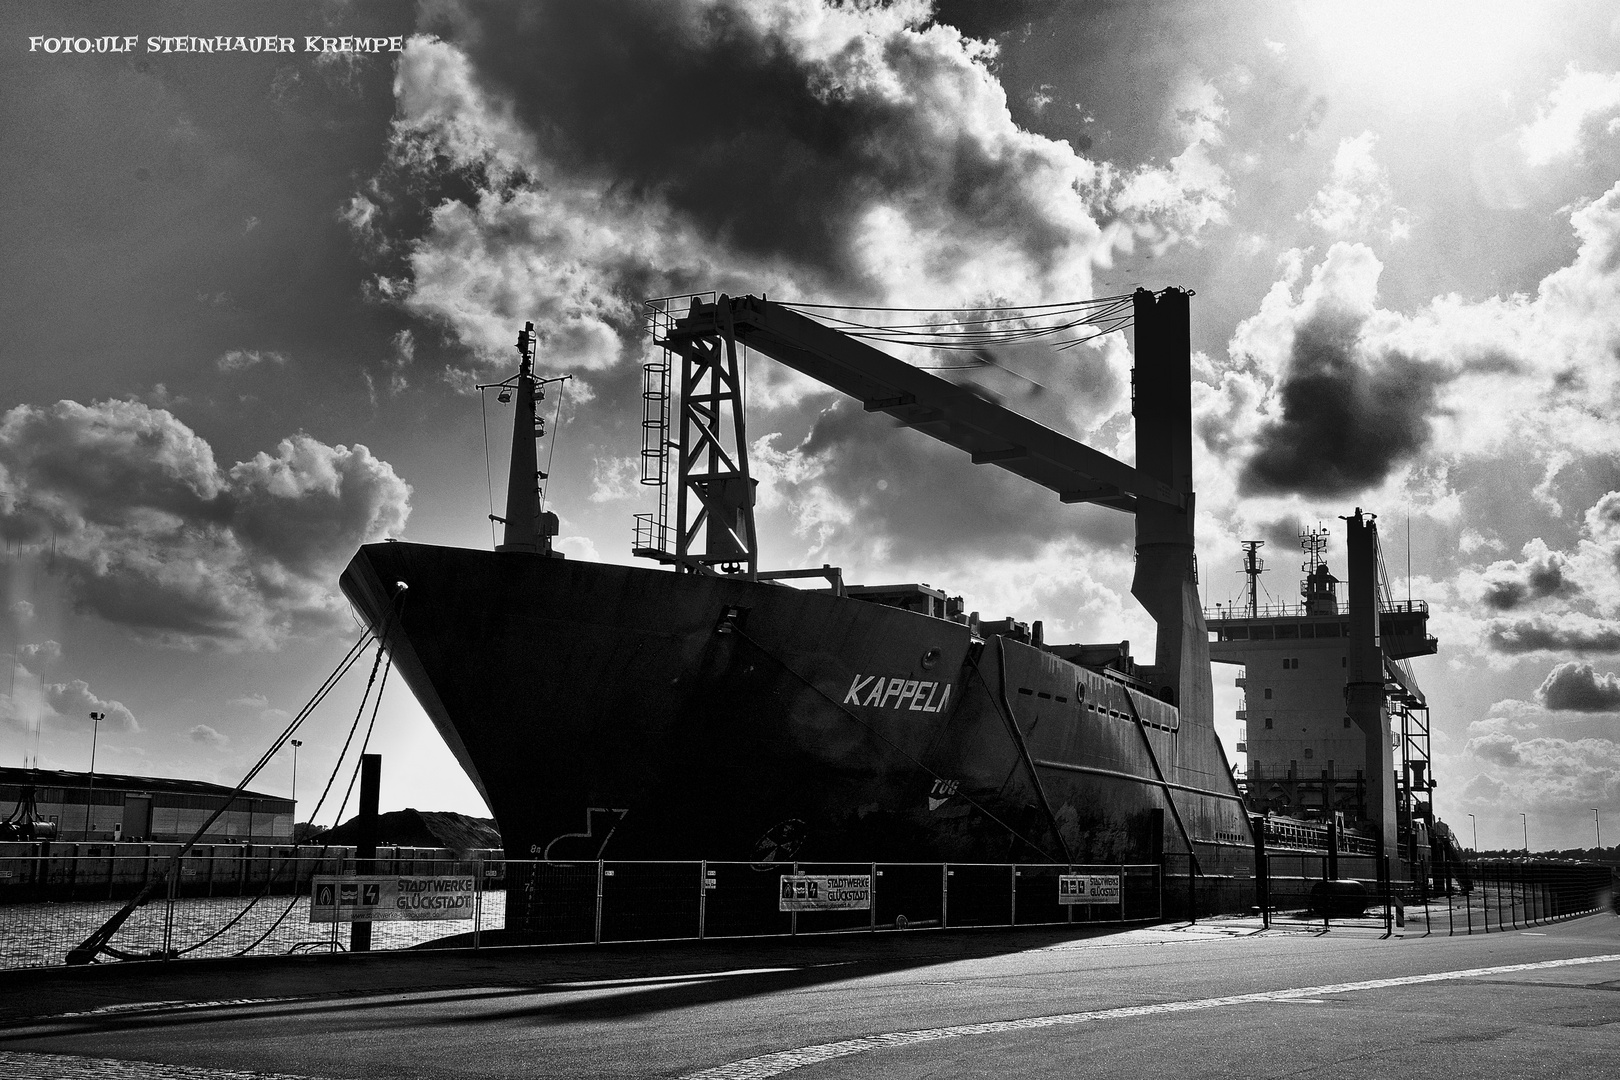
x=770, y=1065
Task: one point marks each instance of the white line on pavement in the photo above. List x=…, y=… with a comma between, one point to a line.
x=769, y=1065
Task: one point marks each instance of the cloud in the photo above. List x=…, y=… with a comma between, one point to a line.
x=866, y=154
x=252, y=701
x=1346, y=411
x=242, y=359
x=615, y=478
x=73, y=699
x=151, y=534
x=1577, y=687
x=1571, y=632
x=23, y=610
x=42, y=652
x=207, y=736
x=1567, y=118
x=1557, y=777
x=1542, y=573
x=1357, y=201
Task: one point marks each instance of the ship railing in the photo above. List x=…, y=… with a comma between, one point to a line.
x=1234, y=612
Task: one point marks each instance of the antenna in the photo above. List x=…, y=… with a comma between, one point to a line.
x=1253, y=567
x=1312, y=542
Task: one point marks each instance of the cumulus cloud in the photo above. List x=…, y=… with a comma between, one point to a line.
x=242, y=359
x=74, y=699
x=204, y=735
x=1577, y=687
x=1581, y=103
x=1357, y=200
x=1570, y=632
x=1542, y=573
x=1345, y=411
x=1559, y=778
x=857, y=152
x=40, y=652
x=150, y=533
x=1346, y=392
x=33, y=703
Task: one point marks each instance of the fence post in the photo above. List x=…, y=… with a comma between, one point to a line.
x=1012, y=911
x=1262, y=871
x=478, y=898
x=1070, y=907
x=871, y=898
x=703, y=898
x=596, y=937
x=1389, y=885
x=168, y=921
x=1192, y=889
x=793, y=916
x=944, y=895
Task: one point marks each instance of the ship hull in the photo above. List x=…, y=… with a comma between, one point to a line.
x=632, y=713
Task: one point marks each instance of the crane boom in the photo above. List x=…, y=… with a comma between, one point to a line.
x=991, y=433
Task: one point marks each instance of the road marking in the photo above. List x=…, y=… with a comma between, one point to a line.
x=24, y=1066
x=769, y=1065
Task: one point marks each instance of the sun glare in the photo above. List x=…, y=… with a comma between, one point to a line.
x=1422, y=51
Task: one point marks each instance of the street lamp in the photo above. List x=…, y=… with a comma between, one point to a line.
x=1597, y=827
x=296, y=743
x=1526, y=823
x=90, y=796
x=1475, y=824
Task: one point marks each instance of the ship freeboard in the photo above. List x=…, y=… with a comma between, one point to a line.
x=705, y=710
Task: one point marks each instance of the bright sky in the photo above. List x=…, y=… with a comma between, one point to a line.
x=245, y=296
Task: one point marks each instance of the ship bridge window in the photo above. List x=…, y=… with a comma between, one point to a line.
x=1268, y=693
x=1044, y=694
x=1063, y=699
x=1026, y=691
x=1268, y=723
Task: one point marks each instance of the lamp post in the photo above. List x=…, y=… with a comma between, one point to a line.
x=1597, y=827
x=90, y=795
x=296, y=743
x=1526, y=823
x=1475, y=824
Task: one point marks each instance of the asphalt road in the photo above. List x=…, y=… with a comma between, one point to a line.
x=1211, y=1000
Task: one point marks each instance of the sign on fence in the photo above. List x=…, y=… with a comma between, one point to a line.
x=1088, y=888
x=378, y=898
x=801, y=892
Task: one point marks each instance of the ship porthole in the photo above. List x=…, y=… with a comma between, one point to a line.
x=929, y=659
x=1079, y=691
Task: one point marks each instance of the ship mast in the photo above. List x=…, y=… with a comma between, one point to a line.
x=524, y=529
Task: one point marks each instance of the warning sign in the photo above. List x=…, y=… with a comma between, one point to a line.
x=391, y=899
x=801, y=892
x=1088, y=889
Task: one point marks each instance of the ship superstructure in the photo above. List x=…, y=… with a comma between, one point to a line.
x=1335, y=721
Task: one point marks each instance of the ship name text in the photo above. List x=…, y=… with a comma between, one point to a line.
x=898, y=692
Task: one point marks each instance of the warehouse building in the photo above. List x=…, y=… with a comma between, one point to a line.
x=108, y=806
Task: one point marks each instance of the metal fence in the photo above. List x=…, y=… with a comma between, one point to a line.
x=1300, y=891
x=1509, y=895
x=262, y=906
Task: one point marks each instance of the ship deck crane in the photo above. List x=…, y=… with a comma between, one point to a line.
x=715, y=527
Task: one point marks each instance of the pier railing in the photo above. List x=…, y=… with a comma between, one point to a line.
x=271, y=906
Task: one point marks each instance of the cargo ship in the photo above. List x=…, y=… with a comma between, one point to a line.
x=702, y=708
